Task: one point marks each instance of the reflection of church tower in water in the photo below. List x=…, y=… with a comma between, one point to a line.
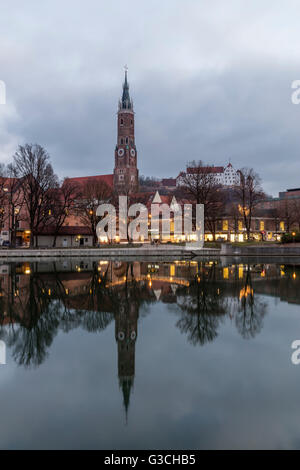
x=126, y=334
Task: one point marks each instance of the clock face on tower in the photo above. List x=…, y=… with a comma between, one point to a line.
x=132, y=152
x=121, y=152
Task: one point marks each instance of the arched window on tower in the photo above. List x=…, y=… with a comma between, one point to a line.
x=122, y=122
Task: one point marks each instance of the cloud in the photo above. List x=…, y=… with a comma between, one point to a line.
x=209, y=81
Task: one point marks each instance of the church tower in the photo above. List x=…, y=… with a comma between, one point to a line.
x=126, y=175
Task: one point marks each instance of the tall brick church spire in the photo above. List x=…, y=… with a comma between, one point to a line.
x=126, y=101
x=125, y=172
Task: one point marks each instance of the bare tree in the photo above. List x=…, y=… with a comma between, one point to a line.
x=199, y=183
x=214, y=210
x=132, y=198
x=289, y=212
x=64, y=201
x=234, y=217
x=3, y=195
x=296, y=212
x=14, y=203
x=93, y=194
x=34, y=170
x=248, y=194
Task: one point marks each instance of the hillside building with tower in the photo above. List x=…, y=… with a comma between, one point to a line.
x=225, y=176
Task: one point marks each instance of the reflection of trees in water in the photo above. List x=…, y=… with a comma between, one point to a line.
x=205, y=303
x=30, y=319
x=35, y=317
x=91, y=316
x=33, y=322
x=30, y=343
x=202, y=306
x=250, y=310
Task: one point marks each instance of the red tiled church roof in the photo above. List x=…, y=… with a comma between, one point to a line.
x=108, y=179
x=206, y=169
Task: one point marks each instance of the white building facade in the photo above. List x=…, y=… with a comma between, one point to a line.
x=225, y=176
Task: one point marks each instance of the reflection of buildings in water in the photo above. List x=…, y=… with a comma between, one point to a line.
x=79, y=285
x=92, y=293
x=14, y=292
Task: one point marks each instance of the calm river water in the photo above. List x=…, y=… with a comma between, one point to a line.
x=150, y=355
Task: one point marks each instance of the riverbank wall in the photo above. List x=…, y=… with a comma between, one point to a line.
x=153, y=252
x=260, y=251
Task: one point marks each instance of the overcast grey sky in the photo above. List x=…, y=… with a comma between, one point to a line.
x=210, y=80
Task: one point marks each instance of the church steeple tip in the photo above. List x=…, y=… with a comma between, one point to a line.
x=126, y=102
x=126, y=384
